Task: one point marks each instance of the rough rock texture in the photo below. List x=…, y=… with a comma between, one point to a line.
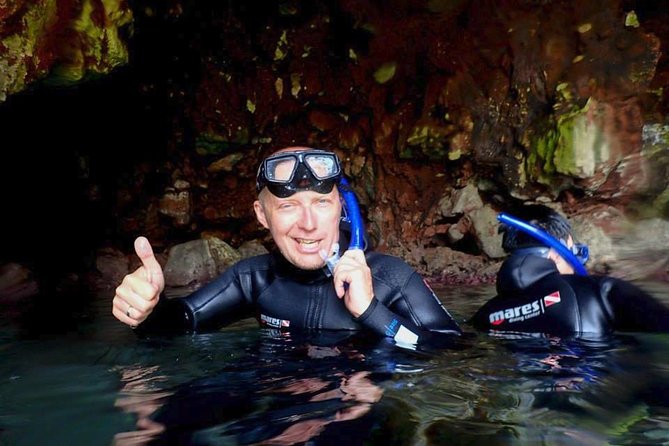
x=16, y=283
x=198, y=261
x=63, y=38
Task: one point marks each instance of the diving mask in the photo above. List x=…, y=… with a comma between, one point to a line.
x=286, y=173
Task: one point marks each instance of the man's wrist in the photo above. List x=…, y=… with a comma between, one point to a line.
x=368, y=311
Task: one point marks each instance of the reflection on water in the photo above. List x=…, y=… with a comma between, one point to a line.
x=96, y=383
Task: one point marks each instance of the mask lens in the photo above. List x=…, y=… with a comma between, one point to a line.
x=280, y=170
x=581, y=251
x=322, y=166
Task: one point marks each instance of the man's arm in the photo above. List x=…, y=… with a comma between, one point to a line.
x=220, y=302
x=412, y=315
x=139, y=301
x=390, y=298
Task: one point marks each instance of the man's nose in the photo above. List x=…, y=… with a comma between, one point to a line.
x=308, y=220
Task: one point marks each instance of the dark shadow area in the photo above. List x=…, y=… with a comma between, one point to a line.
x=66, y=151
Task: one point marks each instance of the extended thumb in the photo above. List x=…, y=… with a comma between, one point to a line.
x=145, y=253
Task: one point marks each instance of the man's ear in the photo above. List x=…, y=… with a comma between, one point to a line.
x=260, y=213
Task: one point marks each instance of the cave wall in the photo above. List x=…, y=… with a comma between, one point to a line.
x=523, y=100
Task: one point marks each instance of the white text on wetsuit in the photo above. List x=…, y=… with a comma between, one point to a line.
x=526, y=311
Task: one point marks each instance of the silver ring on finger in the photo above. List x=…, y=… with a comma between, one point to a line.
x=127, y=312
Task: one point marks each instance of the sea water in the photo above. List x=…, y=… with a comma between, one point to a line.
x=83, y=378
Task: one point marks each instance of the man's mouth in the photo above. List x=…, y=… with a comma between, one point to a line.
x=307, y=243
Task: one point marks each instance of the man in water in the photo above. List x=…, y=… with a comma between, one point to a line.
x=300, y=203
x=538, y=290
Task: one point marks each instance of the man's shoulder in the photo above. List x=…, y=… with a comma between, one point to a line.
x=260, y=262
x=389, y=268
x=378, y=258
x=590, y=285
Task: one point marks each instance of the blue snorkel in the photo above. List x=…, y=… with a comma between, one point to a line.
x=354, y=218
x=547, y=239
x=352, y=215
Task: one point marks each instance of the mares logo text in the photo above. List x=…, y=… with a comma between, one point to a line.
x=273, y=322
x=526, y=311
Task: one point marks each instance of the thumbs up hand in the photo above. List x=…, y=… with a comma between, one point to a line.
x=139, y=291
x=150, y=266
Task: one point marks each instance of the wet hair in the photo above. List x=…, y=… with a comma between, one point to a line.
x=551, y=221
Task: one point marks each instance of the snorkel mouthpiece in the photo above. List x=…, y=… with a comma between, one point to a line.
x=550, y=241
x=332, y=260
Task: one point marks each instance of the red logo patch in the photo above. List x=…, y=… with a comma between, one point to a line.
x=552, y=299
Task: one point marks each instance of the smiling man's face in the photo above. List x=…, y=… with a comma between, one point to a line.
x=302, y=225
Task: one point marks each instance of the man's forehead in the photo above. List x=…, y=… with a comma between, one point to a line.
x=307, y=194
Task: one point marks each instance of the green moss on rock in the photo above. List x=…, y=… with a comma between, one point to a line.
x=571, y=145
x=432, y=140
x=100, y=46
x=385, y=72
x=20, y=52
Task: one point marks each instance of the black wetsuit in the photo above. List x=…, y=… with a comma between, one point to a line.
x=283, y=296
x=534, y=297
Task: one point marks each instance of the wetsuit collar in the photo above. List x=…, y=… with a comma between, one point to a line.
x=520, y=272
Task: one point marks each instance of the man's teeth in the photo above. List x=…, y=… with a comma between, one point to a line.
x=307, y=242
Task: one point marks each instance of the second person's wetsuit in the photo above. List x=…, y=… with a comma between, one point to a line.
x=534, y=297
